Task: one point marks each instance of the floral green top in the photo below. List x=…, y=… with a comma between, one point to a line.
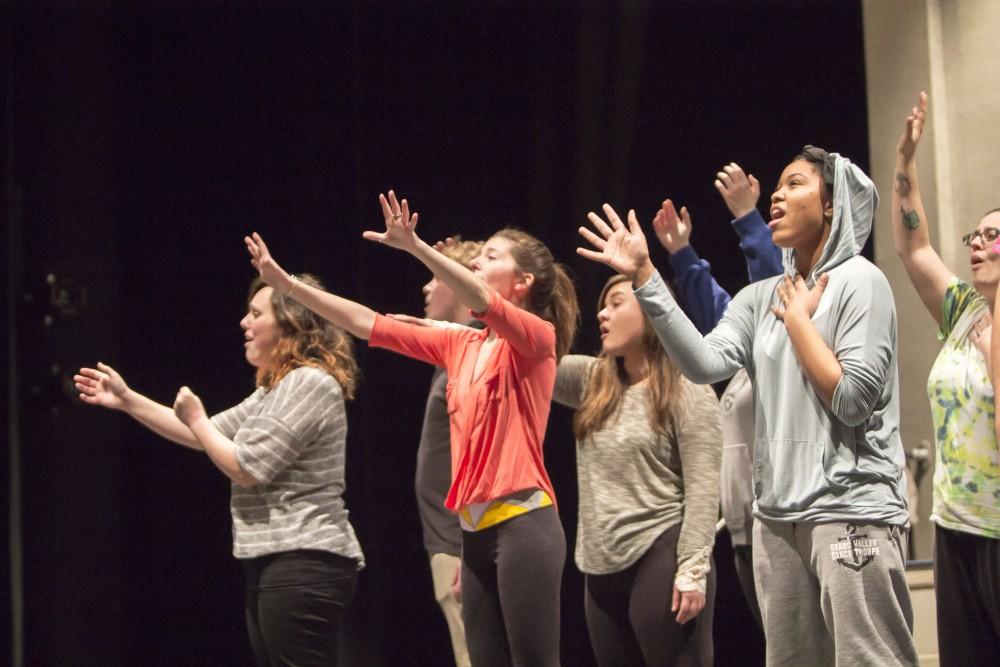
x=967, y=474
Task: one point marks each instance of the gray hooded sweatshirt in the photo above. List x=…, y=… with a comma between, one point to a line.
x=811, y=462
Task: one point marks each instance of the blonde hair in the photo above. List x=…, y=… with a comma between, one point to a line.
x=461, y=251
x=606, y=387
x=552, y=296
x=306, y=340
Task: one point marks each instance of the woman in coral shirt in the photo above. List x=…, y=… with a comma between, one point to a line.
x=499, y=393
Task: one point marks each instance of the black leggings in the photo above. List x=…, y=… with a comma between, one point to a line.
x=511, y=575
x=629, y=617
x=967, y=587
x=294, y=604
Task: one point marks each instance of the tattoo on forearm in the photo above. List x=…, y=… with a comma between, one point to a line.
x=902, y=184
x=910, y=218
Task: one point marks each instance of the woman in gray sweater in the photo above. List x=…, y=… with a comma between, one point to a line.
x=648, y=452
x=819, y=345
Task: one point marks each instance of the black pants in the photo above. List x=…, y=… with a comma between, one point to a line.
x=511, y=576
x=967, y=587
x=295, y=601
x=629, y=617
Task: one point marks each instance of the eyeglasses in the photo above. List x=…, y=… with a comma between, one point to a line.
x=987, y=234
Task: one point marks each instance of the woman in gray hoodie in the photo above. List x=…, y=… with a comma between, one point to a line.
x=819, y=344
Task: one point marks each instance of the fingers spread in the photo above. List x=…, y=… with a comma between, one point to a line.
x=591, y=255
x=599, y=224
x=386, y=209
x=592, y=238
x=633, y=221
x=616, y=222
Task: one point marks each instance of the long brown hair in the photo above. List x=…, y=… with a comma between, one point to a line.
x=552, y=296
x=607, y=384
x=306, y=340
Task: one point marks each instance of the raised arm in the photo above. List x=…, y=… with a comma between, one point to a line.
x=927, y=272
x=702, y=359
x=346, y=314
x=105, y=387
x=741, y=191
x=400, y=232
x=702, y=297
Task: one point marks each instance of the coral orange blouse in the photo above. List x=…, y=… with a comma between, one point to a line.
x=498, y=419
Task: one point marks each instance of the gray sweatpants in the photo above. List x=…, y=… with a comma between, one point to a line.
x=833, y=593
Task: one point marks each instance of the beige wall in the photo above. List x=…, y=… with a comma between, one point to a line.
x=951, y=49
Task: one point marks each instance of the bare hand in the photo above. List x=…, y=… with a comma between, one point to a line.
x=687, y=604
x=796, y=299
x=622, y=248
x=400, y=226
x=101, y=386
x=907, y=146
x=188, y=407
x=672, y=231
x=261, y=258
x=441, y=246
x=739, y=190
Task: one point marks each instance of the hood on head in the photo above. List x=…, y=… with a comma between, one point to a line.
x=854, y=202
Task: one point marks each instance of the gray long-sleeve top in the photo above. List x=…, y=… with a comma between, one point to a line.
x=635, y=483
x=812, y=462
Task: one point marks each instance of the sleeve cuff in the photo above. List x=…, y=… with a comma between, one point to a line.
x=692, y=575
x=682, y=260
x=745, y=223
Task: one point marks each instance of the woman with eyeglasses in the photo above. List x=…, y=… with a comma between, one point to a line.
x=820, y=348
x=966, y=508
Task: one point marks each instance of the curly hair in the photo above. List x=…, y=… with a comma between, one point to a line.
x=606, y=387
x=306, y=340
x=461, y=251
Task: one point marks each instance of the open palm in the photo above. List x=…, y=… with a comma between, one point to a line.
x=101, y=386
x=914, y=130
x=269, y=269
x=622, y=248
x=400, y=224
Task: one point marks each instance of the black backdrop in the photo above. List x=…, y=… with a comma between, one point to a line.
x=143, y=139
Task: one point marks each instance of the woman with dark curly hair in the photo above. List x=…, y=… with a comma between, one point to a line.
x=283, y=448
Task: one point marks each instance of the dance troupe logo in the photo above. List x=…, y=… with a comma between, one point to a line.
x=854, y=550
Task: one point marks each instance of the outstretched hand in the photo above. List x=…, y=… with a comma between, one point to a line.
x=739, y=190
x=907, y=146
x=266, y=265
x=622, y=248
x=101, y=386
x=188, y=407
x=672, y=231
x=400, y=226
x=796, y=299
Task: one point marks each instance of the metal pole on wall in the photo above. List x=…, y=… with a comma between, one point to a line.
x=13, y=205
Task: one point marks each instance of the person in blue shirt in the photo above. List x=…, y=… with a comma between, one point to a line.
x=704, y=300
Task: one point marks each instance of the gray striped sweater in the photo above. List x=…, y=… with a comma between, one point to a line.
x=291, y=439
